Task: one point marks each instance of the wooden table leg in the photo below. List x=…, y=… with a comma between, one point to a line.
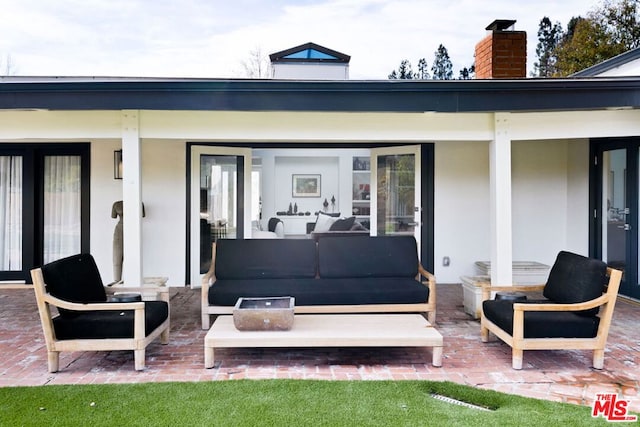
x=437, y=356
x=208, y=357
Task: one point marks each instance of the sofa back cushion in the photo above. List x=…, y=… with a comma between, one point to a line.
x=265, y=259
x=74, y=279
x=575, y=278
x=366, y=256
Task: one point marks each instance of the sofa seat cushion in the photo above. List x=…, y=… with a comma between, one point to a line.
x=108, y=324
x=225, y=292
x=541, y=324
x=348, y=291
x=366, y=256
x=265, y=259
x=375, y=290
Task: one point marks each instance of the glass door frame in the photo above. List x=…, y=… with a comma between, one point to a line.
x=630, y=285
x=243, y=217
x=414, y=150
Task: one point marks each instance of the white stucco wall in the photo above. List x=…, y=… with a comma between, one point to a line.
x=539, y=191
x=461, y=208
x=164, y=198
x=549, y=203
x=287, y=166
x=104, y=192
x=550, y=199
x=164, y=195
x=578, y=217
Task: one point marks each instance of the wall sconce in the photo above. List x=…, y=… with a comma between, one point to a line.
x=117, y=164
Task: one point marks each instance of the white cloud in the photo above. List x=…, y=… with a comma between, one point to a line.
x=208, y=38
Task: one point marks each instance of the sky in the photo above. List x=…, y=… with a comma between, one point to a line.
x=212, y=38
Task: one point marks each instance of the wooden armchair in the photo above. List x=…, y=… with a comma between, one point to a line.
x=575, y=314
x=86, y=320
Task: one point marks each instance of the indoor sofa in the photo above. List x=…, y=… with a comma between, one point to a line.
x=356, y=274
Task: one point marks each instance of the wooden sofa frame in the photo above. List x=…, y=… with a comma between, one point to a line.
x=428, y=307
x=518, y=343
x=137, y=343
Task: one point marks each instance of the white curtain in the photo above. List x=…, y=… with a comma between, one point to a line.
x=61, y=207
x=10, y=213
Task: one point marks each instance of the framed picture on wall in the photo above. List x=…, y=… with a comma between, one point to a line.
x=306, y=185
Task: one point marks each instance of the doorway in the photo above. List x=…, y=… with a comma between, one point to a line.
x=219, y=198
x=397, y=191
x=615, y=231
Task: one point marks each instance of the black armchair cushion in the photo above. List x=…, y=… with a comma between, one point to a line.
x=541, y=324
x=74, y=279
x=366, y=256
x=265, y=259
x=575, y=278
x=109, y=324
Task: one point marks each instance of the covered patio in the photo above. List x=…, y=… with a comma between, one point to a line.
x=554, y=375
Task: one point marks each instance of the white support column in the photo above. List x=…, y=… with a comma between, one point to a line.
x=131, y=198
x=501, y=222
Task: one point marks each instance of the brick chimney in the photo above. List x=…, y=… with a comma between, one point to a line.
x=502, y=54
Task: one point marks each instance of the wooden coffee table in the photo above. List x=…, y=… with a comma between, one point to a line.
x=331, y=330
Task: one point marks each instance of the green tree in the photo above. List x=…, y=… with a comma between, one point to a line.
x=606, y=32
x=442, y=69
x=442, y=66
x=589, y=45
x=571, y=28
x=423, y=70
x=404, y=71
x=549, y=36
x=622, y=21
x=467, y=73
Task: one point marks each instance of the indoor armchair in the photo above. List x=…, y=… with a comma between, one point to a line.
x=576, y=313
x=86, y=320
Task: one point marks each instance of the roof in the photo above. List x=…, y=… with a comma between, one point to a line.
x=609, y=64
x=448, y=96
x=309, y=52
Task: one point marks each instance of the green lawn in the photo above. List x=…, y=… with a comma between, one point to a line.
x=279, y=403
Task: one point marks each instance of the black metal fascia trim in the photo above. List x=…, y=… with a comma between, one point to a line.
x=326, y=96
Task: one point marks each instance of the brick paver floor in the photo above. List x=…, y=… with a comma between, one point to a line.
x=553, y=375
